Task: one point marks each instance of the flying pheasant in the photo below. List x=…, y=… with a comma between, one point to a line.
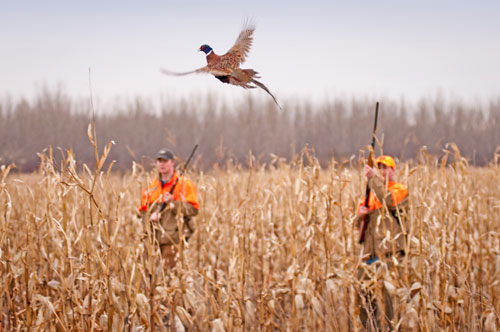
x=226, y=67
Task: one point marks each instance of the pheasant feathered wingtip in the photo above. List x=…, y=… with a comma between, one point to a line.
x=173, y=73
x=243, y=43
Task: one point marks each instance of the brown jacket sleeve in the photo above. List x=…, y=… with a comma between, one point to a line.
x=357, y=220
x=187, y=209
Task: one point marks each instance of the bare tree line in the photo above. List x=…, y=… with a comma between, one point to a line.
x=336, y=128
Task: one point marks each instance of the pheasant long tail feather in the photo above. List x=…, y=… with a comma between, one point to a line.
x=263, y=87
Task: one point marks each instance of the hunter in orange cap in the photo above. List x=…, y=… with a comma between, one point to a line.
x=387, y=161
x=383, y=221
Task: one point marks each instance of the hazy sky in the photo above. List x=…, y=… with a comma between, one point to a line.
x=306, y=49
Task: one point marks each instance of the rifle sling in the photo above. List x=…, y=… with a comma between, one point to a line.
x=171, y=191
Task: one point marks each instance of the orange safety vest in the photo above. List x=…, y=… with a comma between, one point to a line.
x=184, y=191
x=398, y=191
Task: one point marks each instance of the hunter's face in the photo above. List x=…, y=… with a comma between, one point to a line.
x=165, y=166
x=387, y=172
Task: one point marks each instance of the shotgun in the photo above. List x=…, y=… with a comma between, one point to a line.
x=371, y=157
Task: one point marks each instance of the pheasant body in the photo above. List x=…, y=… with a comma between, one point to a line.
x=226, y=68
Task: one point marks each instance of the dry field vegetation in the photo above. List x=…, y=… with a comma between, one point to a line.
x=275, y=250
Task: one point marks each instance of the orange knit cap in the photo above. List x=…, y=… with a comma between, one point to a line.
x=387, y=161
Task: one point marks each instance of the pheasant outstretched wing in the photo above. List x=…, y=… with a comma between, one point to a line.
x=238, y=53
x=173, y=73
x=214, y=70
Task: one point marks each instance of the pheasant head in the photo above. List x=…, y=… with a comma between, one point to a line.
x=205, y=48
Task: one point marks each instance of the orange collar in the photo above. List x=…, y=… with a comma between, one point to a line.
x=172, y=179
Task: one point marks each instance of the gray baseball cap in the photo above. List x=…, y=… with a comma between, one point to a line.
x=165, y=154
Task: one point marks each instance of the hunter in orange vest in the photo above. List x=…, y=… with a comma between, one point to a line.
x=172, y=202
x=384, y=239
x=386, y=205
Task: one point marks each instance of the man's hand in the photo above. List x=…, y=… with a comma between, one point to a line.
x=155, y=216
x=363, y=211
x=167, y=198
x=369, y=171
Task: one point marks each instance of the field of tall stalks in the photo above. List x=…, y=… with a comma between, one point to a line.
x=275, y=250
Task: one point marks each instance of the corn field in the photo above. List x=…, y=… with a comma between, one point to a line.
x=275, y=249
